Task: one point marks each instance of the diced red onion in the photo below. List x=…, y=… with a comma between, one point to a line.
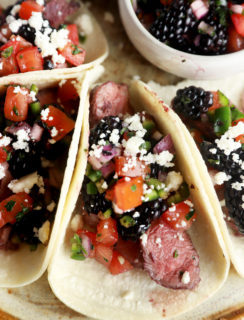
x=199, y=8
x=86, y=243
x=197, y=40
x=20, y=126
x=206, y=28
x=164, y=144
x=107, y=169
x=236, y=8
x=97, y=163
x=36, y=132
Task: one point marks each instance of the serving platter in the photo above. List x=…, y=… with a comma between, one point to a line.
x=36, y=301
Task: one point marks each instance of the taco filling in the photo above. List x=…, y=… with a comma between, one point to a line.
x=35, y=35
x=135, y=204
x=218, y=129
x=36, y=130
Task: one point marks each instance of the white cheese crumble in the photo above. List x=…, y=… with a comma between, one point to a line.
x=221, y=177
x=22, y=140
x=26, y=183
x=1, y=65
x=54, y=132
x=2, y=172
x=43, y=232
x=121, y=260
x=44, y=114
x=105, y=185
x=5, y=141
x=18, y=89
x=143, y=239
x=76, y=223
x=173, y=181
x=186, y=277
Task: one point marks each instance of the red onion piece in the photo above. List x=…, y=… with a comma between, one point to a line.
x=199, y=8
x=95, y=163
x=236, y=8
x=164, y=144
x=197, y=40
x=107, y=154
x=36, y=132
x=19, y=126
x=86, y=243
x=206, y=28
x=107, y=169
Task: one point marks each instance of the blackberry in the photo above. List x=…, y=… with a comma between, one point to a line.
x=22, y=163
x=105, y=127
x=48, y=64
x=147, y=212
x=174, y=25
x=214, y=42
x=191, y=102
x=149, y=5
x=234, y=200
x=93, y=203
x=28, y=33
x=222, y=162
x=24, y=227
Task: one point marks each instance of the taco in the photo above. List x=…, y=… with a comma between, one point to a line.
x=49, y=35
x=217, y=126
x=140, y=194
x=40, y=129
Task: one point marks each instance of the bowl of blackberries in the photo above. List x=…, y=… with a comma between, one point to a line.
x=196, y=39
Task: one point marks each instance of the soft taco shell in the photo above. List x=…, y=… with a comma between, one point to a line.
x=21, y=267
x=89, y=288
x=96, y=47
x=233, y=88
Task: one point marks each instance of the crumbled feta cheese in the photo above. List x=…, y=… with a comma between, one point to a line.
x=143, y=239
x=2, y=172
x=22, y=140
x=189, y=203
x=172, y=209
x=105, y=185
x=54, y=132
x=121, y=260
x=59, y=38
x=5, y=141
x=40, y=2
x=1, y=66
x=51, y=206
x=213, y=150
x=221, y=177
x=132, y=146
x=173, y=181
x=26, y=183
x=117, y=209
x=186, y=277
x=114, y=137
x=36, y=20
x=136, y=214
x=18, y=89
x=222, y=203
x=44, y=114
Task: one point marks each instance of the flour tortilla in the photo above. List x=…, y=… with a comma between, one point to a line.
x=96, y=47
x=88, y=287
x=18, y=268
x=233, y=88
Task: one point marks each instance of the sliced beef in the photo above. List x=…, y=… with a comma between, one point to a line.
x=56, y=11
x=108, y=99
x=169, y=257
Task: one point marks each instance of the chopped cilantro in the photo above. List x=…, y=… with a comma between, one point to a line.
x=15, y=110
x=21, y=56
x=190, y=214
x=99, y=234
x=8, y=154
x=175, y=254
x=10, y=204
x=133, y=187
x=7, y=52
x=20, y=214
x=76, y=50
x=105, y=259
x=82, y=38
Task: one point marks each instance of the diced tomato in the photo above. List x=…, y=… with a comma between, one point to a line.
x=235, y=41
x=216, y=103
x=197, y=136
x=73, y=53
x=107, y=232
x=67, y=91
x=4, y=152
x=235, y=122
x=126, y=194
x=92, y=237
x=57, y=119
x=73, y=33
x=27, y=7
x=14, y=207
x=179, y=216
x=123, y=170
x=103, y=254
x=238, y=22
x=29, y=59
x=17, y=43
x=8, y=66
x=119, y=264
x=16, y=104
x=240, y=138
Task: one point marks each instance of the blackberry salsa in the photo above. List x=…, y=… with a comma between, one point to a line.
x=218, y=129
x=204, y=27
x=135, y=204
x=35, y=136
x=34, y=36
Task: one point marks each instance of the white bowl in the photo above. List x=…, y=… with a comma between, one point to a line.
x=182, y=64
